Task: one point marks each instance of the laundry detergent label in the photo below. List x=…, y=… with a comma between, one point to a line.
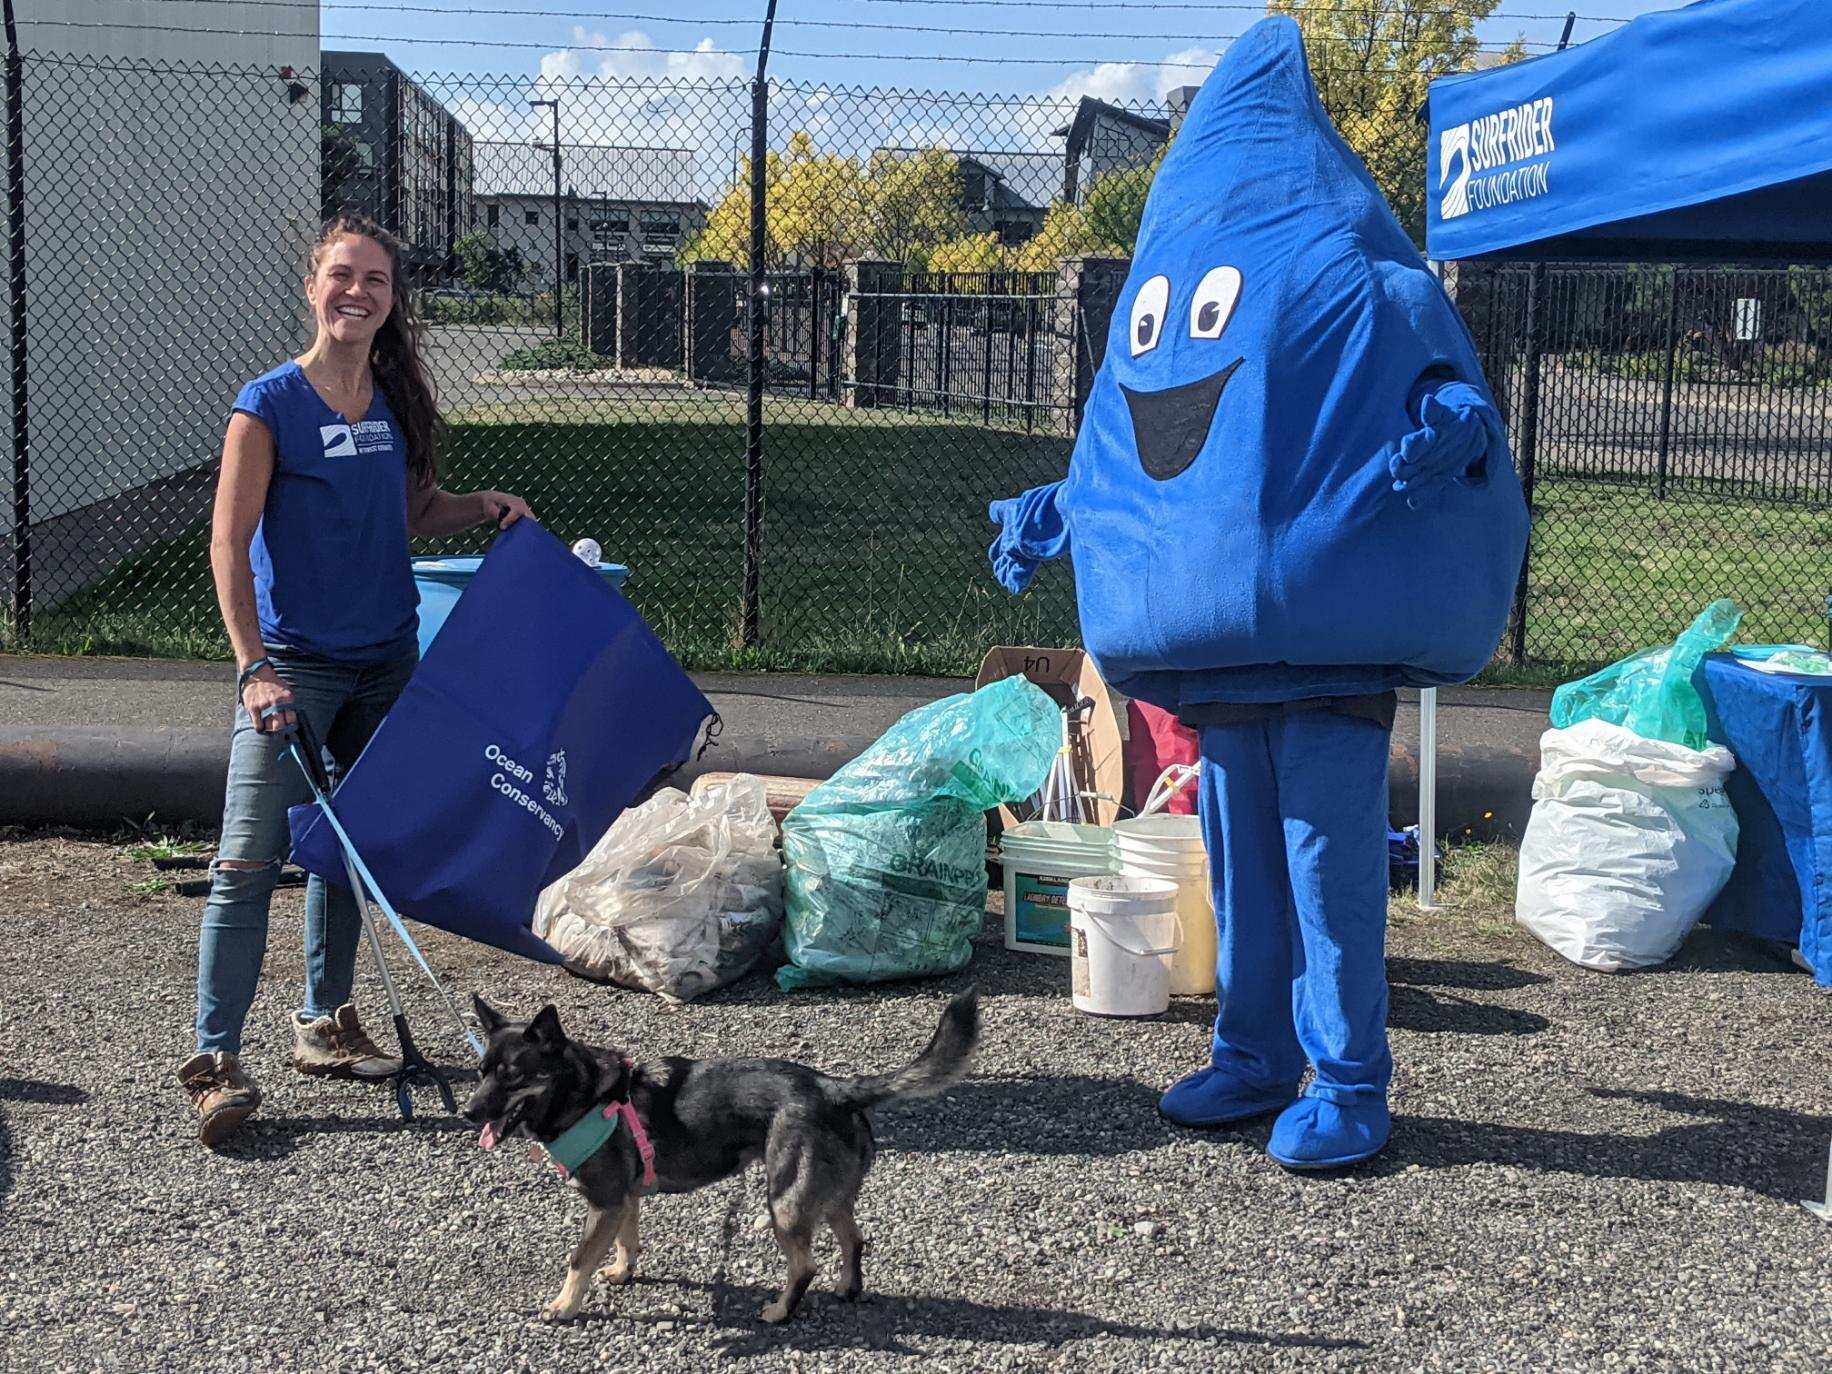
x=1041, y=915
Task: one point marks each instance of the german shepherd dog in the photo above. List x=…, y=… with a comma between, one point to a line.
x=707, y=1120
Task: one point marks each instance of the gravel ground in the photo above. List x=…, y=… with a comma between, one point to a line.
x=1586, y=1171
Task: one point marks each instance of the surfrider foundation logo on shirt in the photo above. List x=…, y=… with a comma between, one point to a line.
x=1479, y=159
x=351, y=441
x=339, y=442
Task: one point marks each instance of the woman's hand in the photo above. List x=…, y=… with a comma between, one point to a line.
x=262, y=692
x=502, y=509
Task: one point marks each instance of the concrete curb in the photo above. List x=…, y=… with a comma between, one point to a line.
x=97, y=778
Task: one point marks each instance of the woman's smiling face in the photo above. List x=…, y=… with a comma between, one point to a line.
x=352, y=289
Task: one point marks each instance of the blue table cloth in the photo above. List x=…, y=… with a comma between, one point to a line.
x=1779, y=726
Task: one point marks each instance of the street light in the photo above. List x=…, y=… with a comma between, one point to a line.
x=559, y=221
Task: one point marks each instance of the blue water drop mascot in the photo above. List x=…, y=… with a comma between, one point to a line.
x=1291, y=495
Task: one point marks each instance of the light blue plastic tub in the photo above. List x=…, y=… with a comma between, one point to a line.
x=442, y=581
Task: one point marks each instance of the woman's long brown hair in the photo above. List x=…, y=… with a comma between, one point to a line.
x=395, y=355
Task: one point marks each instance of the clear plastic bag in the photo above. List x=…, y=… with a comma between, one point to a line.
x=1654, y=692
x=887, y=859
x=682, y=895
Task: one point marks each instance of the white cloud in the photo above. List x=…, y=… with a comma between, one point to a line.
x=1136, y=83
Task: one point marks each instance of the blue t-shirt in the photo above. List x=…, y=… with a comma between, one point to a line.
x=332, y=572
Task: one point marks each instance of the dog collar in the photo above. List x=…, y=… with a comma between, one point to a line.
x=590, y=1133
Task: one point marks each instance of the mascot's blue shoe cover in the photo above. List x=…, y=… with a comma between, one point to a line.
x=1318, y=1133
x=1215, y=1097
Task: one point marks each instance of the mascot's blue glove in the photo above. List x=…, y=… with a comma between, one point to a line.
x=1031, y=531
x=1458, y=428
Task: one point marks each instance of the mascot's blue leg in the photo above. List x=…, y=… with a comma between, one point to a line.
x=1256, y=1061
x=1332, y=783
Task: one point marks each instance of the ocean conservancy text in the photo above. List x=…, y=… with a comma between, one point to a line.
x=508, y=773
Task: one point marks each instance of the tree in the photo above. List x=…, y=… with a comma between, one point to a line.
x=912, y=206
x=1372, y=62
x=822, y=208
x=813, y=206
x=971, y=253
x=483, y=266
x=1115, y=203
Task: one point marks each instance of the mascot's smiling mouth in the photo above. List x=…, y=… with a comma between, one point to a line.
x=1169, y=427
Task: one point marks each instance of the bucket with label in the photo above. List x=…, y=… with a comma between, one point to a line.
x=1039, y=860
x=1171, y=848
x=1124, y=936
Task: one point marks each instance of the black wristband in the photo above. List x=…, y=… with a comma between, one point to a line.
x=241, y=683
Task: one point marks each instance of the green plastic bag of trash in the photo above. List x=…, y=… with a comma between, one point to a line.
x=887, y=860
x=1655, y=692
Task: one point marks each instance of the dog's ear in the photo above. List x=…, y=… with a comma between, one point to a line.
x=488, y=1016
x=545, y=1030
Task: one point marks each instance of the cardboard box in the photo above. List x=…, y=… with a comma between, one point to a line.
x=1068, y=675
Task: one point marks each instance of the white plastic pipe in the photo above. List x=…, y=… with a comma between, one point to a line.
x=1428, y=799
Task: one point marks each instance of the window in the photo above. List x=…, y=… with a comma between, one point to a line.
x=493, y=215
x=572, y=224
x=572, y=267
x=346, y=103
x=531, y=217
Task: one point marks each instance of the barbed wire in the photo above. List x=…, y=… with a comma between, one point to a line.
x=1176, y=6
x=749, y=21
x=552, y=46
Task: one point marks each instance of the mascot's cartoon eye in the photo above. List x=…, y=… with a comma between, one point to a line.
x=1148, y=309
x=1214, y=302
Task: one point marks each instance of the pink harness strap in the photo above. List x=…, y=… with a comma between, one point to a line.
x=633, y=1123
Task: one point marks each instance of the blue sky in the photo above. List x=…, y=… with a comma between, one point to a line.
x=1076, y=58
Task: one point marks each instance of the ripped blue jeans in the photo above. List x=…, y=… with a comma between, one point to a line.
x=344, y=702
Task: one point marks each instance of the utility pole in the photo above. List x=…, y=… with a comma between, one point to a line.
x=750, y=610
x=559, y=223
x=16, y=297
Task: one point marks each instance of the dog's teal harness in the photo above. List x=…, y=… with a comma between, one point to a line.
x=591, y=1132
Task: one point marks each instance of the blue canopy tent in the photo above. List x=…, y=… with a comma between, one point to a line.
x=1694, y=134
x=1698, y=134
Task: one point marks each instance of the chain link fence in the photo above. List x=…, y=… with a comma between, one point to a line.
x=792, y=441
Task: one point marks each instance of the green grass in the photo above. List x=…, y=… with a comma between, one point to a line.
x=874, y=543
x=1475, y=894
x=1614, y=569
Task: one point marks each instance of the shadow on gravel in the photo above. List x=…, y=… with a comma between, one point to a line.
x=1779, y=1154
x=1415, y=1009
x=33, y=1090
x=1461, y=973
x=36, y=1090
x=1070, y=1115
x=881, y=1323
x=274, y=1137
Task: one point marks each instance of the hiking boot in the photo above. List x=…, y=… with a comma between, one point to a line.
x=223, y=1096
x=337, y=1046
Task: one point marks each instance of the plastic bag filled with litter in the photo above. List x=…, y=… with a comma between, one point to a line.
x=887, y=860
x=1655, y=692
x=681, y=896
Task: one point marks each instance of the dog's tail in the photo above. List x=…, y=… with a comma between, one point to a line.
x=933, y=1071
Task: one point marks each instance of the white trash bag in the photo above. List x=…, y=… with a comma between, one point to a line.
x=1629, y=842
x=682, y=895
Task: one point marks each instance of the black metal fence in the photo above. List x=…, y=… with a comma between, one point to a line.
x=928, y=322
x=1673, y=428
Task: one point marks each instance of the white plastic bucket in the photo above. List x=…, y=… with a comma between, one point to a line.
x=1125, y=939
x=1171, y=848
x=1040, y=859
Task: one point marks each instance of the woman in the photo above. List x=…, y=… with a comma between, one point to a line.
x=329, y=466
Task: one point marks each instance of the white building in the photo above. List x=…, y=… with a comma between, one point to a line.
x=171, y=189
x=618, y=204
